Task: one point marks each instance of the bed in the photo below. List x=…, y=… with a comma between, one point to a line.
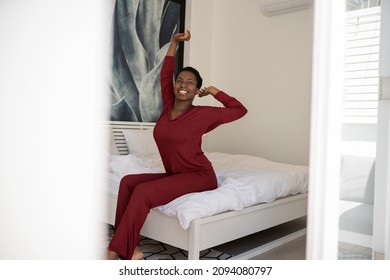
x=254, y=194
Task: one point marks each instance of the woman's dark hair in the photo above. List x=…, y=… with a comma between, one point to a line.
x=199, y=79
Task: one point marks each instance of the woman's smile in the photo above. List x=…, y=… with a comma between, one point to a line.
x=185, y=85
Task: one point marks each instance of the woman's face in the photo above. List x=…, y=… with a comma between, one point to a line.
x=185, y=86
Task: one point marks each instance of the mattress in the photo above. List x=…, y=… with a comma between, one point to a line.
x=243, y=181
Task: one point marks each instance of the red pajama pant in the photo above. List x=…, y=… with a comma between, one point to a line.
x=140, y=192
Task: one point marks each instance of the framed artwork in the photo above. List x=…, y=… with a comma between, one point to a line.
x=142, y=30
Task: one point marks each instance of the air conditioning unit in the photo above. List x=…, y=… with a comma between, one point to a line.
x=277, y=7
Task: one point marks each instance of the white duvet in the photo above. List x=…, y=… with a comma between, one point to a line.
x=243, y=181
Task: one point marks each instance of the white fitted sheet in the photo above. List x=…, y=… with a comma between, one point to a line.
x=243, y=181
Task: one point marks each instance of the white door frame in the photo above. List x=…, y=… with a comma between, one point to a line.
x=381, y=230
x=327, y=89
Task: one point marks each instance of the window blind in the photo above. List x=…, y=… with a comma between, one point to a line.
x=361, y=83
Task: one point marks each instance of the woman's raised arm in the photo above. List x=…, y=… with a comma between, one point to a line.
x=178, y=37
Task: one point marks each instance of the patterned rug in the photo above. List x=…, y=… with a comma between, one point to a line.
x=155, y=250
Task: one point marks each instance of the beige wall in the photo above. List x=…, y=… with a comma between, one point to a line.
x=266, y=63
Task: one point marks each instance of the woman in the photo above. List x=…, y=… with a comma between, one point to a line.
x=178, y=135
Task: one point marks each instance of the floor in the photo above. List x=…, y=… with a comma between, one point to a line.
x=292, y=250
x=348, y=251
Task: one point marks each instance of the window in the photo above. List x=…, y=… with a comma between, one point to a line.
x=361, y=62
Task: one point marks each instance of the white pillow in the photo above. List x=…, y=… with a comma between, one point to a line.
x=140, y=142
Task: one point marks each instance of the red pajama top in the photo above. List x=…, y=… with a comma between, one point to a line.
x=179, y=140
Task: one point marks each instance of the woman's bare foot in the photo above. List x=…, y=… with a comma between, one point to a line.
x=138, y=254
x=111, y=255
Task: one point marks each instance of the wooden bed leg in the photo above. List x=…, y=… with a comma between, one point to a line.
x=194, y=241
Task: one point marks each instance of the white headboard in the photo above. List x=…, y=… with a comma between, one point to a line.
x=116, y=130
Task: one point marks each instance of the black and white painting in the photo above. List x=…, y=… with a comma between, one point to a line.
x=142, y=30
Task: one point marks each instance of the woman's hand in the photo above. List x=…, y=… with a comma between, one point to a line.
x=178, y=37
x=181, y=37
x=208, y=90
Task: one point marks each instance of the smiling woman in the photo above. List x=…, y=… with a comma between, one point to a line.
x=178, y=134
x=142, y=29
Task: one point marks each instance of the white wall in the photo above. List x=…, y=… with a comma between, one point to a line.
x=263, y=61
x=51, y=98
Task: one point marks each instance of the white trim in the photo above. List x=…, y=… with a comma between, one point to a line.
x=327, y=89
x=382, y=172
x=382, y=183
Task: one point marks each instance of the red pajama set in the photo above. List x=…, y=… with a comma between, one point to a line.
x=187, y=168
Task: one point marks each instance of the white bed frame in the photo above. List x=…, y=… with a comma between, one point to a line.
x=218, y=229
